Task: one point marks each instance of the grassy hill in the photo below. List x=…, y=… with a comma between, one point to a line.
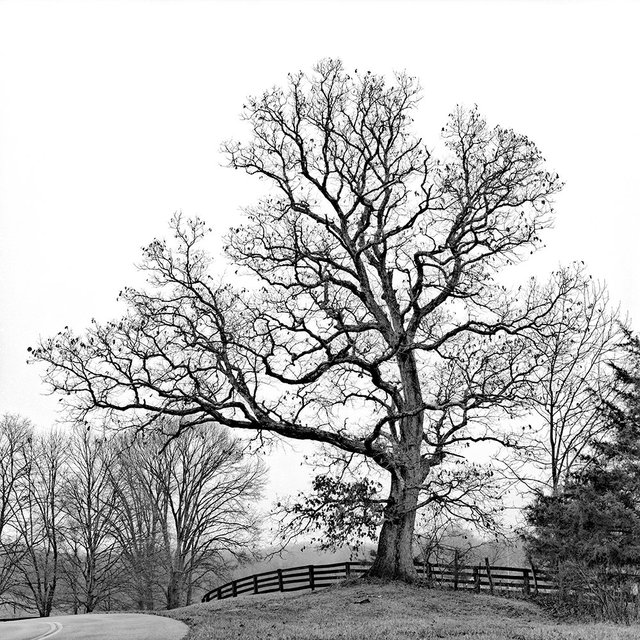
x=365, y=611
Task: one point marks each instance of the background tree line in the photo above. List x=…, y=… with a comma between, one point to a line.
x=138, y=521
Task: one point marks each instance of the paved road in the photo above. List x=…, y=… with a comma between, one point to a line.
x=95, y=626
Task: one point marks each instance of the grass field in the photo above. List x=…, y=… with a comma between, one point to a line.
x=384, y=612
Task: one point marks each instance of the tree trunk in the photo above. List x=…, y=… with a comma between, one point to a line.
x=189, y=584
x=90, y=604
x=394, y=559
x=175, y=586
x=174, y=590
x=90, y=581
x=149, y=601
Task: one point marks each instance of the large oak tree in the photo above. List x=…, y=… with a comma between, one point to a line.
x=371, y=316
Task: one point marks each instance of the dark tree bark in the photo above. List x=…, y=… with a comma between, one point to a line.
x=394, y=558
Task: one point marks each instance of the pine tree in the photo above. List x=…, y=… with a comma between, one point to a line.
x=590, y=531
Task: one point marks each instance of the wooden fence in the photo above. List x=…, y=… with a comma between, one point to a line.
x=482, y=577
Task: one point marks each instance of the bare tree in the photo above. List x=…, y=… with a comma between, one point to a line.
x=37, y=517
x=184, y=509
x=88, y=499
x=136, y=526
x=207, y=519
x=575, y=353
x=376, y=322
x=15, y=433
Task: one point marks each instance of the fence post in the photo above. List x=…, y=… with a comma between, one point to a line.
x=427, y=567
x=456, y=559
x=488, y=566
x=280, y=583
x=476, y=578
x=255, y=584
x=535, y=578
x=311, y=578
x=234, y=589
x=347, y=570
x=219, y=593
x=526, y=589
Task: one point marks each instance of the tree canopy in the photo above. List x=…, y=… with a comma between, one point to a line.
x=368, y=314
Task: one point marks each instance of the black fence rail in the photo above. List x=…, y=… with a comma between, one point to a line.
x=19, y=618
x=482, y=577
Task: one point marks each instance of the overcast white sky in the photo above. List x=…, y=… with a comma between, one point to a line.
x=112, y=114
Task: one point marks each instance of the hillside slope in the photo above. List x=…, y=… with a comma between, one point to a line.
x=384, y=612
